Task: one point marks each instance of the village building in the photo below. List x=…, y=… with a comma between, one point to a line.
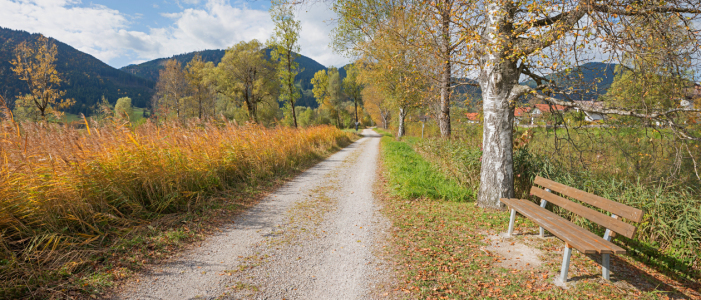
x=523, y=115
x=586, y=106
x=472, y=117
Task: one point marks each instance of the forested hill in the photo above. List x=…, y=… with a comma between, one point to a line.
x=86, y=78
x=149, y=70
x=586, y=82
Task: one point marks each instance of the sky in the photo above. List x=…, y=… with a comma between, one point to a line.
x=123, y=32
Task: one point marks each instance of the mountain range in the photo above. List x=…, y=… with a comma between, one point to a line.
x=87, y=79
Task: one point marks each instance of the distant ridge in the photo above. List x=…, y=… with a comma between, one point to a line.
x=587, y=82
x=86, y=78
x=149, y=70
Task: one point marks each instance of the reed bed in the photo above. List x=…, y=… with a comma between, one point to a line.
x=67, y=192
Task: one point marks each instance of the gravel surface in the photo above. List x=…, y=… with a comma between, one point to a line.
x=314, y=238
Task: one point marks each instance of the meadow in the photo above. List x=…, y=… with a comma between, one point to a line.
x=440, y=238
x=69, y=197
x=643, y=168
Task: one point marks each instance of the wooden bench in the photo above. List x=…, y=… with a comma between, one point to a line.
x=574, y=236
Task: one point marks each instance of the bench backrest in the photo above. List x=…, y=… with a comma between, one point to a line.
x=616, y=208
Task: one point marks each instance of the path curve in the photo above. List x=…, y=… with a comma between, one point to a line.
x=314, y=238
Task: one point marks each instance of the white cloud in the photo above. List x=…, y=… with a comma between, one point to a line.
x=105, y=34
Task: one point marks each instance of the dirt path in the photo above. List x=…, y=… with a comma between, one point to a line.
x=315, y=238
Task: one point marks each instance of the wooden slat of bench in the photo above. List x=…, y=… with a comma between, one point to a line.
x=551, y=222
x=599, y=244
x=580, y=238
x=590, y=237
x=602, y=245
x=619, y=209
x=619, y=226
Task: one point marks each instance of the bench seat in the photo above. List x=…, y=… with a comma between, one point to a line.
x=578, y=237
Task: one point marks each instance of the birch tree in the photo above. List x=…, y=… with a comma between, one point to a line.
x=171, y=87
x=511, y=39
x=284, y=44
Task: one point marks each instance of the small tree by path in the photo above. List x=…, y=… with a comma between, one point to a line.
x=36, y=66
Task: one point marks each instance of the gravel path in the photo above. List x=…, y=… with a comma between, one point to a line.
x=315, y=238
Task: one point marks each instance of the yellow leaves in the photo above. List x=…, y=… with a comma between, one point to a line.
x=35, y=65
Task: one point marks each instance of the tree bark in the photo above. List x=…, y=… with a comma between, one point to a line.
x=251, y=106
x=355, y=101
x=444, y=116
x=497, y=78
x=385, y=118
x=400, y=130
x=290, y=87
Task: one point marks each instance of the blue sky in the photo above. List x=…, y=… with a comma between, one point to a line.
x=122, y=32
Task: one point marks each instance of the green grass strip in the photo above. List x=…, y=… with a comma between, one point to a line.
x=412, y=177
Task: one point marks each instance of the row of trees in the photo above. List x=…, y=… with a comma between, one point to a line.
x=411, y=54
x=245, y=82
x=253, y=78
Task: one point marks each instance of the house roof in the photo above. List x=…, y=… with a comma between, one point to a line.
x=519, y=111
x=549, y=107
x=473, y=116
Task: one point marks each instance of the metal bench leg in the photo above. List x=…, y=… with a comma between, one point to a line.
x=565, y=263
x=543, y=203
x=605, y=260
x=511, y=221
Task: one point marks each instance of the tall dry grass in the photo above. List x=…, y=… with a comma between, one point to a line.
x=67, y=192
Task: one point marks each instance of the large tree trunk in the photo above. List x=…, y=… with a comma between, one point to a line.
x=401, y=131
x=497, y=78
x=444, y=115
x=355, y=102
x=199, y=98
x=294, y=113
x=251, y=106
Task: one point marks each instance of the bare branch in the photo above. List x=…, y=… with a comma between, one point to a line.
x=646, y=11
x=526, y=46
x=522, y=90
x=537, y=78
x=540, y=23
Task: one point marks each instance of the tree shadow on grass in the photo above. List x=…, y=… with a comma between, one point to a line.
x=624, y=273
